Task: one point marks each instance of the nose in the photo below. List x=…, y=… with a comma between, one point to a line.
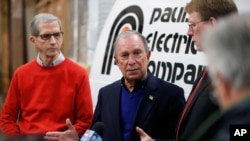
x=131, y=59
x=52, y=39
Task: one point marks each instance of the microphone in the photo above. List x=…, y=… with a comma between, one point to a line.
x=95, y=134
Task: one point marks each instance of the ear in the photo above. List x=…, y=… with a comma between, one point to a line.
x=33, y=41
x=212, y=20
x=116, y=60
x=148, y=54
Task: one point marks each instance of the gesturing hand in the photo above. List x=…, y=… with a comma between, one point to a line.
x=68, y=135
x=143, y=135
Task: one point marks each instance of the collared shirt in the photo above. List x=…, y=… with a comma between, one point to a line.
x=56, y=62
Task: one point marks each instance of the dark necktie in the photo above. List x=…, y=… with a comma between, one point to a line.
x=189, y=101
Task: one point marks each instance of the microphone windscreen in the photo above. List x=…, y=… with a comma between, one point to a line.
x=98, y=127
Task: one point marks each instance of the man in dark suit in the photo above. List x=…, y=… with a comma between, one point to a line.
x=201, y=103
x=138, y=100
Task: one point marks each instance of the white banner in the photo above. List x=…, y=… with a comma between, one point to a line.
x=164, y=24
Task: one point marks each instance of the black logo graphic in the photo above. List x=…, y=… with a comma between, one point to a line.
x=132, y=19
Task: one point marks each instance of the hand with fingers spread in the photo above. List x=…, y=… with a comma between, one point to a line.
x=68, y=135
x=143, y=136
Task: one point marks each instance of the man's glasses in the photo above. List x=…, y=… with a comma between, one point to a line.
x=192, y=25
x=56, y=35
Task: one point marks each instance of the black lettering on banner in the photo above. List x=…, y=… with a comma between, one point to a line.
x=175, y=71
x=170, y=43
x=240, y=132
x=173, y=14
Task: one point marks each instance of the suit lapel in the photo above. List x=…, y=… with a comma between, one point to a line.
x=206, y=82
x=148, y=100
x=115, y=107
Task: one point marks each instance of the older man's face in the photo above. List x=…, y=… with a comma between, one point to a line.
x=132, y=58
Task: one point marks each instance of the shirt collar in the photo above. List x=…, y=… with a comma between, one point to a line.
x=139, y=84
x=56, y=62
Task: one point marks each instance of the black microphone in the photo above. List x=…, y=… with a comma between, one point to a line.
x=95, y=134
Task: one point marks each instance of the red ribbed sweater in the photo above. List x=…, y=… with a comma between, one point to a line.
x=45, y=97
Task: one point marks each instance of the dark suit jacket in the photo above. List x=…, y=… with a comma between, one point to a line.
x=201, y=107
x=157, y=117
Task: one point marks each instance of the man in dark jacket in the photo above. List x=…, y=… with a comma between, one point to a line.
x=202, y=15
x=139, y=98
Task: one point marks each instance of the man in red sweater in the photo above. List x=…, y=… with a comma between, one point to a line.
x=46, y=91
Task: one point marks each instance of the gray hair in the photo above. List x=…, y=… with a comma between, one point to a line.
x=42, y=18
x=130, y=33
x=227, y=48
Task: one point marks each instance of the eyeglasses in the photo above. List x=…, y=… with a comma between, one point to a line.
x=192, y=25
x=56, y=35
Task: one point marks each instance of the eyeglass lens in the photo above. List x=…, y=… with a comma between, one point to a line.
x=56, y=35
